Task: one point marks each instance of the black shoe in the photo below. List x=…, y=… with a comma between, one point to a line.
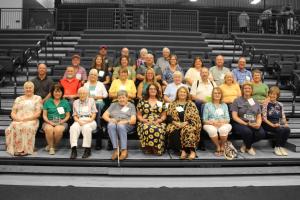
x=109, y=145
x=73, y=153
x=87, y=153
x=201, y=146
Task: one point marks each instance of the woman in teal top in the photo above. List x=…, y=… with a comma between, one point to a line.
x=56, y=113
x=216, y=121
x=260, y=90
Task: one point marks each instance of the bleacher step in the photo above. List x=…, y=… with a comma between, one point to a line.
x=294, y=144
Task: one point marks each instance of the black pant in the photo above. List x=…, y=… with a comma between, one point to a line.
x=174, y=142
x=248, y=134
x=281, y=134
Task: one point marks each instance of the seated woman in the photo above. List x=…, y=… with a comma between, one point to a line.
x=169, y=71
x=246, y=113
x=103, y=74
x=216, y=121
x=274, y=120
x=84, y=113
x=184, y=124
x=151, y=114
x=121, y=118
x=230, y=89
x=193, y=73
x=171, y=89
x=124, y=65
x=122, y=83
x=97, y=91
x=56, y=113
x=20, y=135
x=260, y=89
x=149, y=78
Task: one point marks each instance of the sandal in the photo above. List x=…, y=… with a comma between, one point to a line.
x=218, y=153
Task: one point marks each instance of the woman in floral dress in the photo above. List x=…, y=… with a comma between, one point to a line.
x=20, y=135
x=151, y=113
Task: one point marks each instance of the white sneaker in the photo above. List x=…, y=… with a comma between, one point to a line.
x=243, y=148
x=251, y=151
x=277, y=151
x=52, y=151
x=283, y=151
x=47, y=148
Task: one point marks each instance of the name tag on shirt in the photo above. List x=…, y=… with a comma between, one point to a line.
x=125, y=109
x=93, y=92
x=179, y=109
x=122, y=87
x=159, y=104
x=251, y=102
x=222, y=76
x=85, y=109
x=61, y=110
x=219, y=112
x=101, y=73
x=167, y=105
x=78, y=76
x=248, y=78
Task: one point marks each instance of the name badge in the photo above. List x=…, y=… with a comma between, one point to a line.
x=122, y=87
x=78, y=76
x=93, y=93
x=61, y=110
x=248, y=78
x=167, y=105
x=222, y=76
x=159, y=104
x=101, y=73
x=251, y=102
x=179, y=109
x=85, y=109
x=125, y=109
x=219, y=112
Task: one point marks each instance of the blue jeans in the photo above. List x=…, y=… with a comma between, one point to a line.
x=119, y=130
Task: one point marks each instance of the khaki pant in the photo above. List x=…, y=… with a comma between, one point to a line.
x=86, y=130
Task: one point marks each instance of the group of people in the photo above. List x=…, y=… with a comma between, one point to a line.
x=167, y=107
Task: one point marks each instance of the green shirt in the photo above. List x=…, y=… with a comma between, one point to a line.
x=53, y=110
x=260, y=91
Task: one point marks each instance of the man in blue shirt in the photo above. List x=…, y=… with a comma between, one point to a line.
x=241, y=74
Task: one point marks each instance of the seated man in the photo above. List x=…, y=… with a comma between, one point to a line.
x=125, y=52
x=241, y=74
x=149, y=64
x=80, y=72
x=201, y=90
x=163, y=61
x=218, y=71
x=42, y=83
x=84, y=113
x=70, y=85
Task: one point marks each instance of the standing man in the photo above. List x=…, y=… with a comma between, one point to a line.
x=243, y=22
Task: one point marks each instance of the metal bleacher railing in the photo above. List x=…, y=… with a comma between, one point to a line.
x=17, y=18
x=259, y=23
x=143, y=19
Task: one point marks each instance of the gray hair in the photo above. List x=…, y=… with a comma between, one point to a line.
x=122, y=93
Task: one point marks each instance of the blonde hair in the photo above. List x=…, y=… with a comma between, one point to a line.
x=28, y=84
x=82, y=90
x=247, y=83
x=154, y=76
x=212, y=94
x=229, y=74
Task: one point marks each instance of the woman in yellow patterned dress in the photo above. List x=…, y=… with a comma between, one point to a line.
x=184, y=125
x=20, y=135
x=151, y=114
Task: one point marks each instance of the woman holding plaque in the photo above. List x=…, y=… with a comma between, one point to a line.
x=56, y=113
x=246, y=113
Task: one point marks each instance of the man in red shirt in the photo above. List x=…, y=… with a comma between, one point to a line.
x=70, y=84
